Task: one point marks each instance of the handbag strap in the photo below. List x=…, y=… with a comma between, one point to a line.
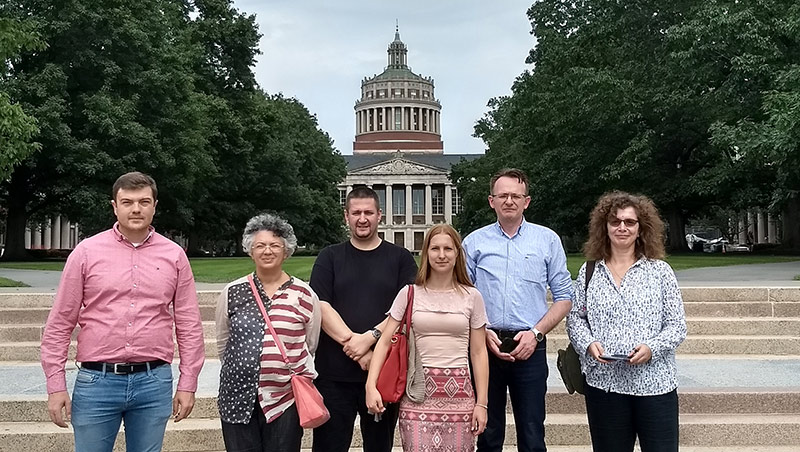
x=589, y=273
x=409, y=306
x=278, y=341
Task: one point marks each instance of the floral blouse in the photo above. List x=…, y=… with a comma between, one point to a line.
x=647, y=308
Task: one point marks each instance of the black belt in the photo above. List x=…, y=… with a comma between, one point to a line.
x=123, y=368
x=506, y=333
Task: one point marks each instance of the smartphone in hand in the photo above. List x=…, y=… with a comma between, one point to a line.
x=615, y=357
x=508, y=345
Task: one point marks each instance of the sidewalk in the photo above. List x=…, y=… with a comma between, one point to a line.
x=26, y=380
x=752, y=275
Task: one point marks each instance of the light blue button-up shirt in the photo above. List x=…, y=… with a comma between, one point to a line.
x=513, y=273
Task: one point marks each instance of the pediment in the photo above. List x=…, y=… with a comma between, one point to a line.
x=398, y=166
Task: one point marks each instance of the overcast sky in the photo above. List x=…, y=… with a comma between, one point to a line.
x=319, y=52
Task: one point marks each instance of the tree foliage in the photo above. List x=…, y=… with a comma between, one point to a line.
x=642, y=96
x=17, y=128
x=164, y=87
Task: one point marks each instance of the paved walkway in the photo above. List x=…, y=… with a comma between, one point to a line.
x=751, y=275
x=703, y=372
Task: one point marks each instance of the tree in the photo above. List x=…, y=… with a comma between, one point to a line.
x=112, y=92
x=637, y=96
x=17, y=129
x=165, y=87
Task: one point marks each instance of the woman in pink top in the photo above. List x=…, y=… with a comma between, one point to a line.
x=448, y=321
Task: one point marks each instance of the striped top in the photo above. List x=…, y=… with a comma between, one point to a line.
x=252, y=365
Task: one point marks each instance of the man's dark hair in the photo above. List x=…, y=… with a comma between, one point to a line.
x=134, y=181
x=362, y=192
x=513, y=173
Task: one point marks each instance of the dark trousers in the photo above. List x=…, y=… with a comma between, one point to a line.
x=284, y=434
x=526, y=383
x=616, y=419
x=345, y=400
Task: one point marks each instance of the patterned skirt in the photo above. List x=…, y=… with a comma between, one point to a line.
x=442, y=423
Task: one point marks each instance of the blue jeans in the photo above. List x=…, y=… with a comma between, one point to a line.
x=102, y=400
x=615, y=420
x=526, y=383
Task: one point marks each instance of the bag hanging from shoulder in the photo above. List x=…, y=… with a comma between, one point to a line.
x=307, y=399
x=393, y=376
x=568, y=362
x=415, y=382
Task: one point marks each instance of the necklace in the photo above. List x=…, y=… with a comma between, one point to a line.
x=616, y=274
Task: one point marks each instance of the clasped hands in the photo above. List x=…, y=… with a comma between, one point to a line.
x=359, y=348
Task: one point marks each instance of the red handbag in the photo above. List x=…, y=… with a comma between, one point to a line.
x=392, y=377
x=310, y=406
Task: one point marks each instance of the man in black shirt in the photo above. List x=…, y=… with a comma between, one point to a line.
x=359, y=278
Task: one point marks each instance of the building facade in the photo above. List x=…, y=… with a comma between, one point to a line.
x=398, y=152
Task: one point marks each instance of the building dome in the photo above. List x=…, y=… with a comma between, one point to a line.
x=397, y=110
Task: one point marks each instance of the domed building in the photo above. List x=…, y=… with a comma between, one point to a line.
x=398, y=151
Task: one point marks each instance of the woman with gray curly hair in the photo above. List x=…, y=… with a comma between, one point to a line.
x=255, y=402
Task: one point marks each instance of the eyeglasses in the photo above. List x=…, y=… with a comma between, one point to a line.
x=516, y=197
x=629, y=222
x=274, y=247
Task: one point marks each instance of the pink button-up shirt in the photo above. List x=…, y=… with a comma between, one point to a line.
x=125, y=300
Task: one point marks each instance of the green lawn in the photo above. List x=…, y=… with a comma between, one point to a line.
x=687, y=261
x=5, y=282
x=224, y=269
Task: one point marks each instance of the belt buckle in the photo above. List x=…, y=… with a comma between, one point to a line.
x=116, y=372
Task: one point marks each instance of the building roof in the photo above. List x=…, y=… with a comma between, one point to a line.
x=443, y=161
x=394, y=73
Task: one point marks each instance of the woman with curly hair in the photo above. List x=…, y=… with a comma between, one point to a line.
x=626, y=326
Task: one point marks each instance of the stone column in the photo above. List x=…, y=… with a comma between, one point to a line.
x=28, y=238
x=742, y=229
x=389, y=205
x=762, y=227
x=65, y=234
x=409, y=220
x=448, y=203
x=37, y=237
x=751, y=226
x=428, y=204
x=48, y=231
x=772, y=230
x=56, y=237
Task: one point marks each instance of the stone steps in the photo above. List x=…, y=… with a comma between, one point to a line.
x=704, y=326
x=727, y=345
x=563, y=429
x=692, y=401
x=707, y=326
x=757, y=327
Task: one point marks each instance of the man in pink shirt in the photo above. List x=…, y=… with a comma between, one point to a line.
x=125, y=287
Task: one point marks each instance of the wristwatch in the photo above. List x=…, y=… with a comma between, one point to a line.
x=376, y=333
x=539, y=335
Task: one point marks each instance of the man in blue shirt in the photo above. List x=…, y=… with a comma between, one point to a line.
x=512, y=263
